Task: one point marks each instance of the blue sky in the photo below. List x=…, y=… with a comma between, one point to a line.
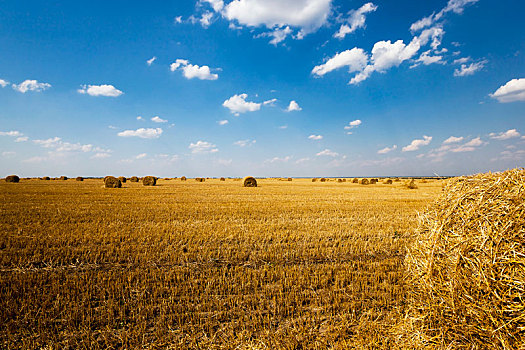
x=261, y=87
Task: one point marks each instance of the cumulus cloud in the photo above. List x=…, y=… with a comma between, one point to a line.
x=353, y=124
x=13, y=133
x=509, y=134
x=417, y=143
x=190, y=71
x=237, y=104
x=157, y=119
x=101, y=155
x=100, y=90
x=278, y=35
x=140, y=118
x=387, y=149
x=203, y=147
x=456, y=6
x=427, y=59
x=48, y=143
x=151, y=60
x=327, y=153
x=244, y=143
x=356, y=19
x=223, y=122
x=315, y=137
x=453, y=139
x=3, y=83
x=31, y=85
x=469, y=146
x=177, y=19
x=355, y=59
x=144, y=133
x=469, y=69
x=293, y=106
x=22, y=139
x=217, y=5
x=512, y=91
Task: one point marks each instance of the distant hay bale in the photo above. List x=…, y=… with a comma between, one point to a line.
x=289, y=179
x=355, y=180
x=364, y=181
x=63, y=178
x=12, y=178
x=183, y=178
x=314, y=180
x=397, y=179
x=323, y=179
x=423, y=181
x=222, y=179
x=411, y=184
x=47, y=178
x=249, y=181
x=122, y=179
x=387, y=181
x=373, y=181
x=112, y=182
x=466, y=269
x=133, y=179
x=149, y=181
x=79, y=178
x=339, y=180
x=200, y=179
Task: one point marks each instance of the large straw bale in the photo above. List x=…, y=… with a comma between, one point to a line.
x=323, y=179
x=222, y=179
x=133, y=179
x=79, y=178
x=314, y=179
x=466, y=269
x=47, y=178
x=183, y=178
x=364, y=181
x=355, y=181
x=387, y=181
x=411, y=184
x=249, y=181
x=63, y=177
x=122, y=179
x=149, y=181
x=112, y=182
x=12, y=178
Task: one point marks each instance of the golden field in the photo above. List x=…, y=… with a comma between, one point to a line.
x=205, y=265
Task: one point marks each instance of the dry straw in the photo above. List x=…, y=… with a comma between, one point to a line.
x=183, y=178
x=249, y=181
x=411, y=184
x=373, y=181
x=223, y=179
x=314, y=180
x=63, y=178
x=12, y=178
x=355, y=181
x=79, y=178
x=387, y=181
x=289, y=179
x=466, y=268
x=47, y=178
x=323, y=179
x=122, y=179
x=149, y=181
x=133, y=179
x=363, y=181
x=112, y=182
x=200, y=179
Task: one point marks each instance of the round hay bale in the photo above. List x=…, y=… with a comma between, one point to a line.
x=411, y=184
x=387, y=181
x=397, y=179
x=314, y=180
x=133, y=179
x=466, y=269
x=355, y=180
x=323, y=179
x=79, y=178
x=183, y=178
x=63, y=178
x=149, y=181
x=289, y=179
x=339, y=180
x=112, y=182
x=47, y=178
x=249, y=181
x=373, y=181
x=12, y=179
x=122, y=179
x=223, y=179
x=364, y=181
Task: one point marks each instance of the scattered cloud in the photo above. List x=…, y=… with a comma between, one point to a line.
x=203, y=147
x=356, y=19
x=144, y=133
x=270, y=103
x=22, y=139
x=355, y=59
x=177, y=19
x=315, y=137
x=509, y=134
x=237, y=104
x=100, y=90
x=31, y=85
x=293, y=106
x=461, y=60
x=217, y=5
x=415, y=144
x=151, y=60
x=244, y=143
x=190, y=71
x=157, y=119
x=353, y=124
x=3, y=83
x=278, y=159
x=327, y=153
x=141, y=156
x=453, y=139
x=140, y=118
x=101, y=155
x=13, y=133
x=223, y=122
x=427, y=59
x=512, y=91
x=278, y=35
x=49, y=143
x=387, y=149
x=35, y=160
x=456, y=6
x=466, y=70
x=8, y=154
x=282, y=127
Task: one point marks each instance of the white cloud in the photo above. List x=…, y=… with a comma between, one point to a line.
x=293, y=106
x=191, y=71
x=178, y=19
x=140, y=118
x=144, y=133
x=278, y=159
x=141, y=156
x=217, y=5
x=509, y=134
x=356, y=19
x=512, y=91
x=244, y=143
x=3, y=83
x=470, y=69
x=31, y=85
x=315, y=137
x=427, y=59
x=328, y=153
x=453, y=139
x=270, y=103
x=8, y=154
x=237, y=104
x=355, y=59
x=461, y=60
x=49, y=143
x=282, y=127
x=13, y=133
x=278, y=35
x=205, y=19
x=203, y=147
x=22, y=139
x=223, y=122
x=157, y=119
x=151, y=60
x=35, y=160
x=100, y=90
x=415, y=144
x=476, y=142
x=101, y=155
x=387, y=149
x=353, y=124
x=456, y=6
x=307, y=15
